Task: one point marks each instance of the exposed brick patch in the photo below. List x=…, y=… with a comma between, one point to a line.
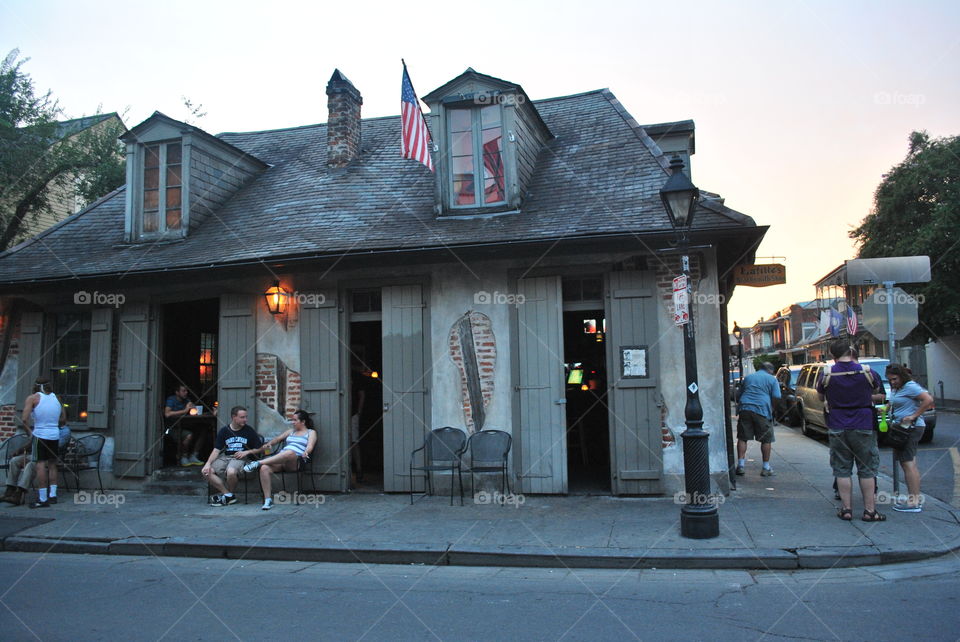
x=485, y=349
x=7, y=421
x=277, y=386
x=667, y=438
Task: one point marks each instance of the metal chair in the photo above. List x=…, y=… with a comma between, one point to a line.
x=488, y=451
x=441, y=452
x=85, y=456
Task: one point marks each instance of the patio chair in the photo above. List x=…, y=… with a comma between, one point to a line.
x=441, y=452
x=10, y=447
x=486, y=452
x=84, y=456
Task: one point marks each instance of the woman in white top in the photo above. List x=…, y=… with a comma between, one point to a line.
x=43, y=414
x=300, y=442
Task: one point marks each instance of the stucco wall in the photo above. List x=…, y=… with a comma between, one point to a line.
x=943, y=364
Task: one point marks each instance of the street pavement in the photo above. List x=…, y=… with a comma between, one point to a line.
x=783, y=522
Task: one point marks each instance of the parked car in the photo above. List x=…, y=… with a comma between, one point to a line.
x=787, y=409
x=813, y=421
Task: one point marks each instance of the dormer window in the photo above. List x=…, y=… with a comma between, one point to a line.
x=476, y=153
x=162, y=187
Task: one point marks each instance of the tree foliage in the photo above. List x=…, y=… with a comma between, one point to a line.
x=39, y=156
x=917, y=212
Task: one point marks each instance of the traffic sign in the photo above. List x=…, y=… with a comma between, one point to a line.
x=681, y=301
x=905, y=317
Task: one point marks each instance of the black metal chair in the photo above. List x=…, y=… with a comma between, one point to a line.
x=441, y=452
x=487, y=452
x=84, y=456
x=304, y=467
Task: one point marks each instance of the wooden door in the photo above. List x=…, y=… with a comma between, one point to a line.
x=131, y=422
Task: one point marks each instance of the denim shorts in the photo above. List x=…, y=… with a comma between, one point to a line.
x=849, y=446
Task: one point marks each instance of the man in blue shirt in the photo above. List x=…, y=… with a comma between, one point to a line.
x=755, y=419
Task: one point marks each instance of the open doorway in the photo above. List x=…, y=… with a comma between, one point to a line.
x=588, y=433
x=188, y=358
x=366, y=392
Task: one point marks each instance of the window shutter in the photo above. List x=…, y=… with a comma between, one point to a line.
x=98, y=390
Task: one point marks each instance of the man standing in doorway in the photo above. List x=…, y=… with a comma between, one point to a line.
x=755, y=419
x=235, y=443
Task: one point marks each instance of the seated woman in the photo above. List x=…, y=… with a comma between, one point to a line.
x=300, y=442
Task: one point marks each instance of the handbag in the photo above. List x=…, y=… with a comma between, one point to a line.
x=898, y=436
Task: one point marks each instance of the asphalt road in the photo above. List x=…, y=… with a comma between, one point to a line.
x=86, y=597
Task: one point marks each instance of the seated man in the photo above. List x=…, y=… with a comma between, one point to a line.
x=22, y=468
x=235, y=442
x=176, y=407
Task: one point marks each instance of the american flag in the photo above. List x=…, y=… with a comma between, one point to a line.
x=851, y=321
x=415, y=141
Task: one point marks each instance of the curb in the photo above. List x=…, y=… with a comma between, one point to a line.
x=714, y=559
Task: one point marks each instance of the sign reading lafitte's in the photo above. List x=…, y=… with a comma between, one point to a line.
x=759, y=276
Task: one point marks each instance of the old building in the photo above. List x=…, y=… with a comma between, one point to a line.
x=523, y=285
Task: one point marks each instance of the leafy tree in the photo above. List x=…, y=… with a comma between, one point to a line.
x=773, y=358
x=917, y=212
x=39, y=156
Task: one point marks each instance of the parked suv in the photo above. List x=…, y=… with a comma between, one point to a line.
x=813, y=420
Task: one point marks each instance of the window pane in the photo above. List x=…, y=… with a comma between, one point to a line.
x=462, y=165
x=151, y=178
x=462, y=144
x=173, y=176
x=150, y=220
x=459, y=120
x=151, y=199
x=489, y=115
x=173, y=219
x=173, y=197
x=493, y=190
x=173, y=153
x=152, y=156
x=463, y=190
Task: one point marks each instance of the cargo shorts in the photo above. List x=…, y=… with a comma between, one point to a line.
x=751, y=425
x=849, y=446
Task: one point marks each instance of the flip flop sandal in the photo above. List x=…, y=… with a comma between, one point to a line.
x=875, y=516
x=846, y=514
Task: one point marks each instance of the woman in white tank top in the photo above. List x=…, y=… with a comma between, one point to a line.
x=300, y=442
x=43, y=414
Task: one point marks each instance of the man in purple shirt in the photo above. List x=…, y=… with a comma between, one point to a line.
x=849, y=393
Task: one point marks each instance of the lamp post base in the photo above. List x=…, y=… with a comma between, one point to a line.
x=699, y=522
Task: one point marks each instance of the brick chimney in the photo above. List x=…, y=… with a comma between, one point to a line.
x=343, y=123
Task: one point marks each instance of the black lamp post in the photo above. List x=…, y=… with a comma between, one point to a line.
x=699, y=518
x=738, y=333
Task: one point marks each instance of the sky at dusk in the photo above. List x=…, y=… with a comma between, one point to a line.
x=800, y=107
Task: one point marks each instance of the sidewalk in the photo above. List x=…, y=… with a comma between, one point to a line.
x=783, y=522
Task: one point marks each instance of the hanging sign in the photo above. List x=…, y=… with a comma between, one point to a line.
x=681, y=302
x=760, y=276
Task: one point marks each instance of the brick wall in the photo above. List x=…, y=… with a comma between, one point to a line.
x=485, y=348
x=277, y=385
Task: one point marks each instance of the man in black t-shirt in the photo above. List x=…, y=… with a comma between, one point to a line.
x=231, y=449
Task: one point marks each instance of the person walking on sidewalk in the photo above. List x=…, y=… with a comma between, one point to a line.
x=755, y=419
x=908, y=401
x=848, y=392
x=300, y=442
x=235, y=442
x=43, y=414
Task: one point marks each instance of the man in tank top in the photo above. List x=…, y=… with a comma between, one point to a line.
x=43, y=414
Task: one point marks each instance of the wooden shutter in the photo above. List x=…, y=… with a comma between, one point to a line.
x=405, y=423
x=98, y=387
x=130, y=429
x=30, y=356
x=542, y=431
x=636, y=454
x=237, y=356
x=320, y=350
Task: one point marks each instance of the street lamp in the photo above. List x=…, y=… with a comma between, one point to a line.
x=699, y=518
x=738, y=333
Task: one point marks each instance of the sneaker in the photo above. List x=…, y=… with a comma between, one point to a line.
x=194, y=461
x=908, y=508
x=39, y=504
x=185, y=461
x=251, y=466
x=739, y=470
x=229, y=499
x=766, y=472
x=217, y=500
x=267, y=504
